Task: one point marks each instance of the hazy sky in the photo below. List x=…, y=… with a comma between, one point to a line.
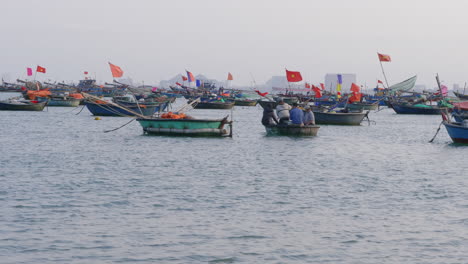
x=153, y=40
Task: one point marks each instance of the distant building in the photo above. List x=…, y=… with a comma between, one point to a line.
x=279, y=84
x=331, y=80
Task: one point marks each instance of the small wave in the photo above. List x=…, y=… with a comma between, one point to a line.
x=223, y=260
x=248, y=237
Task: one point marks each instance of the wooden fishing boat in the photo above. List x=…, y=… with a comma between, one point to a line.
x=461, y=96
x=245, y=102
x=361, y=106
x=457, y=131
x=22, y=105
x=64, y=101
x=186, y=127
x=339, y=118
x=107, y=109
x=292, y=130
x=214, y=105
x=418, y=109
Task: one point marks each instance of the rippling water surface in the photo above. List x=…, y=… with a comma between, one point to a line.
x=377, y=193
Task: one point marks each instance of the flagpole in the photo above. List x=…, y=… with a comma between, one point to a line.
x=35, y=74
x=381, y=66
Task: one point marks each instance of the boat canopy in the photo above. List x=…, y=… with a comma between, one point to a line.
x=403, y=86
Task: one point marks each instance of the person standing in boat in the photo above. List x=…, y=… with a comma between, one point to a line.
x=309, y=118
x=269, y=117
x=282, y=110
x=296, y=115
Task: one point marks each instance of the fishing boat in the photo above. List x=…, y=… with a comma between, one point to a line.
x=214, y=105
x=102, y=108
x=460, y=95
x=186, y=127
x=361, y=106
x=292, y=130
x=460, y=111
x=56, y=100
x=416, y=109
x=339, y=118
x=22, y=105
x=245, y=102
x=458, y=131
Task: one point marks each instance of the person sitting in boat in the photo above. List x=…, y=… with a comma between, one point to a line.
x=282, y=110
x=269, y=117
x=308, y=118
x=296, y=115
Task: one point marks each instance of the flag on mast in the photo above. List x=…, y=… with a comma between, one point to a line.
x=29, y=71
x=293, y=76
x=229, y=78
x=338, y=85
x=190, y=76
x=383, y=57
x=40, y=69
x=116, y=70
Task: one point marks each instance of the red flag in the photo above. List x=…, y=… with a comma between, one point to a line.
x=85, y=72
x=40, y=69
x=116, y=71
x=190, y=77
x=29, y=71
x=184, y=78
x=261, y=94
x=229, y=78
x=379, y=81
x=293, y=76
x=317, y=91
x=307, y=85
x=178, y=84
x=355, y=88
x=322, y=86
x=355, y=97
x=383, y=57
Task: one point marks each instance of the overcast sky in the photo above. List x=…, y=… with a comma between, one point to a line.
x=153, y=40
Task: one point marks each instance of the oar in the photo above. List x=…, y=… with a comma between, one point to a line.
x=437, y=132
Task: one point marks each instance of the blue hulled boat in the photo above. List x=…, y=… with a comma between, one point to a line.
x=457, y=131
x=106, y=109
x=417, y=109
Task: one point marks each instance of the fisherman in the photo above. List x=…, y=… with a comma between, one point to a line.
x=308, y=118
x=296, y=115
x=269, y=117
x=282, y=110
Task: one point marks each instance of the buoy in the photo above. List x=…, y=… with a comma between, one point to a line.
x=97, y=118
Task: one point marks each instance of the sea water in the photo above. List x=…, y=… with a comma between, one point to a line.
x=375, y=193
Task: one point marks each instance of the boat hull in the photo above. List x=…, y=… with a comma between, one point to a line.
x=214, y=105
x=292, y=130
x=22, y=107
x=330, y=118
x=60, y=101
x=112, y=110
x=184, y=127
x=411, y=110
x=362, y=106
x=457, y=132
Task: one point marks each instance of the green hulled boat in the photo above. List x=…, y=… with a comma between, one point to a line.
x=186, y=127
